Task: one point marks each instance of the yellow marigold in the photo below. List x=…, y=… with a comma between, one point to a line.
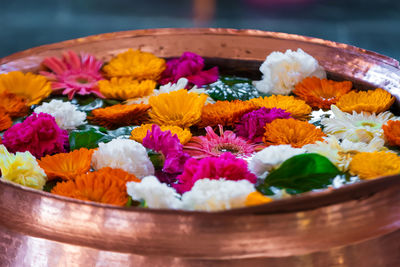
x=106, y=185
x=120, y=115
x=256, y=198
x=67, y=165
x=321, y=93
x=391, y=132
x=291, y=132
x=136, y=64
x=34, y=88
x=226, y=113
x=5, y=120
x=371, y=165
x=126, y=87
x=372, y=101
x=180, y=108
x=139, y=133
x=297, y=107
x=13, y=105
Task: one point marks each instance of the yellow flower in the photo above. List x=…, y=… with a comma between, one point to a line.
x=371, y=165
x=21, y=168
x=136, y=64
x=256, y=198
x=297, y=107
x=139, y=133
x=372, y=101
x=180, y=108
x=33, y=88
x=126, y=87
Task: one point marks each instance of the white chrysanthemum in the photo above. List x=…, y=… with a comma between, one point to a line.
x=341, y=180
x=271, y=157
x=282, y=71
x=356, y=127
x=156, y=195
x=215, y=195
x=341, y=153
x=124, y=154
x=67, y=116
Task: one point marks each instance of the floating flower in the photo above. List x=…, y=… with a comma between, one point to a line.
x=214, y=145
x=139, y=133
x=296, y=107
x=217, y=195
x=341, y=153
x=170, y=148
x=5, y=120
x=67, y=116
x=124, y=154
x=271, y=158
x=292, y=132
x=126, y=87
x=371, y=101
x=38, y=134
x=180, y=108
x=226, y=166
x=391, y=132
x=13, y=105
x=120, y=115
x=226, y=113
x=21, y=168
x=321, y=93
x=371, y=165
x=256, y=198
x=67, y=165
x=356, y=127
x=282, y=71
x=74, y=74
x=251, y=125
x=30, y=87
x=135, y=64
x=155, y=194
x=190, y=66
x=104, y=186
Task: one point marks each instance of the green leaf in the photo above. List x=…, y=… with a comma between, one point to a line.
x=302, y=173
x=88, y=136
x=50, y=184
x=124, y=132
x=232, y=88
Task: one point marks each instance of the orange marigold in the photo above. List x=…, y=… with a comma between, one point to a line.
x=140, y=132
x=13, y=105
x=372, y=101
x=297, y=107
x=321, y=93
x=256, y=198
x=120, y=115
x=226, y=113
x=106, y=185
x=5, y=120
x=126, y=87
x=291, y=132
x=391, y=132
x=67, y=165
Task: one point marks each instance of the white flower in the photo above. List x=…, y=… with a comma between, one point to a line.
x=124, y=154
x=67, y=116
x=282, y=71
x=155, y=194
x=170, y=87
x=356, y=127
x=271, y=157
x=215, y=195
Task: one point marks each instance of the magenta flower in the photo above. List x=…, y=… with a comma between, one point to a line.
x=251, y=125
x=38, y=134
x=74, y=74
x=169, y=146
x=189, y=66
x=226, y=166
x=214, y=145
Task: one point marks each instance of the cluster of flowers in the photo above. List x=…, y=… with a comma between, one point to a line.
x=180, y=156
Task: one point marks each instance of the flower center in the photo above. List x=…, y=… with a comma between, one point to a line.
x=81, y=80
x=234, y=149
x=371, y=124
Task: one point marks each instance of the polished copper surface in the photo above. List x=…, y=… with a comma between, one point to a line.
x=357, y=225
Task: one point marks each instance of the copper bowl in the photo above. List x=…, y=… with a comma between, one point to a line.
x=357, y=225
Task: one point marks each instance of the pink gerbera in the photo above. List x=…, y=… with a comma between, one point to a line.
x=227, y=166
x=214, y=145
x=74, y=74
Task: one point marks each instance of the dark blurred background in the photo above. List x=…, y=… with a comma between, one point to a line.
x=370, y=24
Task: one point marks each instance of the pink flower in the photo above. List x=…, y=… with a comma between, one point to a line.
x=74, y=74
x=214, y=145
x=169, y=146
x=251, y=125
x=226, y=166
x=190, y=66
x=38, y=134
